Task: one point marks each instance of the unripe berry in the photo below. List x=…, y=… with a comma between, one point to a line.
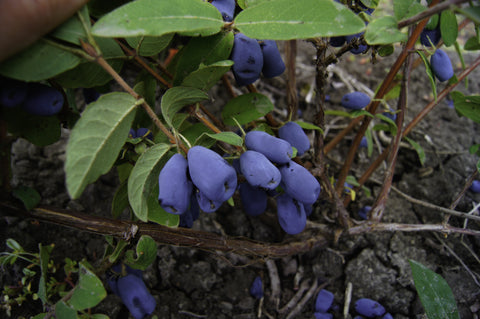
x=211, y=174
x=355, y=100
x=174, y=188
x=441, y=65
x=248, y=58
x=294, y=134
x=254, y=199
x=43, y=100
x=275, y=149
x=226, y=8
x=259, y=171
x=272, y=60
x=291, y=214
x=299, y=183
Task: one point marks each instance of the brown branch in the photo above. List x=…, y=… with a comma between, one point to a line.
x=370, y=227
x=292, y=99
x=429, y=12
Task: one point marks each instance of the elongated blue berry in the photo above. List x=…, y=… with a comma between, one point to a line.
x=135, y=296
x=299, y=183
x=360, y=47
x=254, y=199
x=322, y=315
x=192, y=213
x=324, y=301
x=43, y=100
x=363, y=212
x=259, y=171
x=256, y=289
x=337, y=41
x=291, y=214
x=207, y=205
x=174, y=188
x=429, y=37
x=475, y=187
x=211, y=174
x=226, y=8
x=441, y=65
x=272, y=60
x=144, y=133
x=294, y=134
x=369, y=308
x=248, y=58
x=12, y=92
x=275, y=149
x=355, y=100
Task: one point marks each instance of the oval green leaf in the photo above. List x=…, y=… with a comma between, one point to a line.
x=156, y=18
x=384, y=30
x=448, y=27
x=38, y=62
x=146, y=253
x=207, y=76
x=89, y=290
x=148, y=46
x=96, y=140
x=176, y=98
x=144, y=177
x=227, y=137
x=299, y=19
x=246, y=108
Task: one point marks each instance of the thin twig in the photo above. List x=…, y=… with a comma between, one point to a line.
x=292, y=99
x=429, y=12
x=296, y=298
x=304, y=300
x=274, y=282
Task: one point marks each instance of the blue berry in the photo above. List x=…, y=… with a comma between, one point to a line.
x=363, y=212
x=355, y=100
x=337, y=41
x=291, y=214
x=254, y=199
x=174, y=188
x=248, y=59
x=135, y=296
x=211, y=174
x=322, y=315
x=369, y=308
x=275, y=149
x=144, y=133
x=12, y=92
x=441, y=65
x=360, y=48
x=192, y=213
x=324, y=301
x=272, y=60
x=259, y=171
x=226, y=8
x=43, y=100
x=299, y=183
x=207, y=205
x=294, y=134
x=364, y=142
x=256, y=289
x=428, y=36
x=475, y=187
x=387, y=316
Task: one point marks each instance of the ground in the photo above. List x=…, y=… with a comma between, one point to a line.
x=191, y=283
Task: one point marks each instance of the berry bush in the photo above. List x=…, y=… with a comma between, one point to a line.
x=130, y=84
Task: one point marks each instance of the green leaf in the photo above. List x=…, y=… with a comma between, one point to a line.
x=38, y=62
x=44, y=258
x=28, y=195
x=202, y=51
x=156, y=18
x=194, y=132
x=38, y=130
x=435, y=294
x=146, y=253
x=120, y=200
x=418, y=149
x=299, y=19
x=474, y=149
x=89, y=290
x=392, y=126
x=384, y=30
x=472, y=44
x=468, y=106
x=406, y=8
x=96, y=140
x=227, y=137
x=432, y=22
x=64, y=311
x=90, y=74
x=428, y=70
x=338, y=113
x=118, y=251
x=14, y=245
x=473, y=13
x=448, y=27
x=386, y=50
x=156, y=213
x=178, y=97
x=246, y=108
x=357, y=113
x=144, y=177
x=40, y=316
x=309, y=126
x=148, y=46
x=72, y=30
x=207, y=76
